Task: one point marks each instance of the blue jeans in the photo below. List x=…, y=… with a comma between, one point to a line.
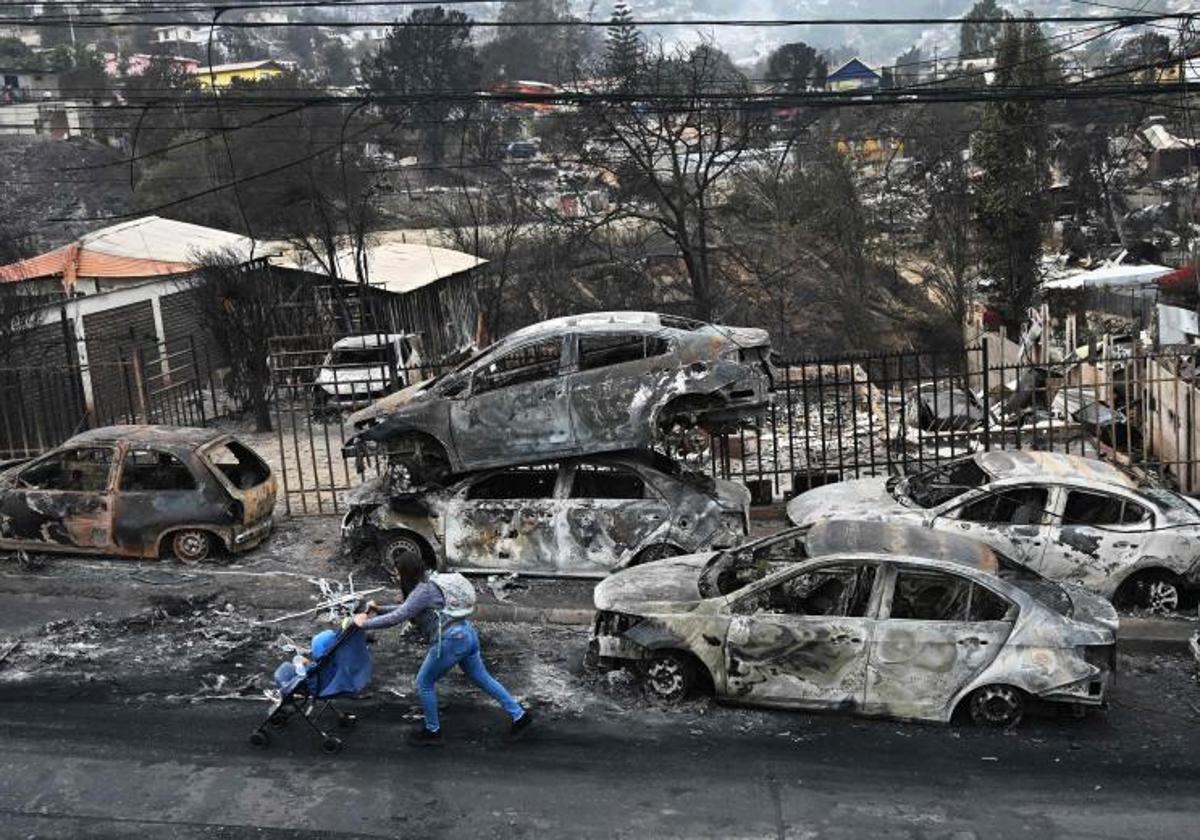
x=459, y=646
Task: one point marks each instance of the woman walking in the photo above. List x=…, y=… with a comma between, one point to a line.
x=452, y=641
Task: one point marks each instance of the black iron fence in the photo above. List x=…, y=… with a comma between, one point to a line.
x=831, y=419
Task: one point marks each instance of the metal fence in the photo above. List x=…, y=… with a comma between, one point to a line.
x=831, y=419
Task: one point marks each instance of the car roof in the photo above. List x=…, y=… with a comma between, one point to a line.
x=1001, y=464
x=839, y=536
x=367, y=340
x=599, y=321
x=184, y=436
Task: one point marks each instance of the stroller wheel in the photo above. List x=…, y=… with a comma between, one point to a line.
x=260, y=739
x=278, y=719
x=331, y=745
x=347, y=721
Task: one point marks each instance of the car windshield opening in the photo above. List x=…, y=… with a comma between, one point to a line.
x=1046, y=592
x=941, y=484
x=732, y=570
x=1174, y=506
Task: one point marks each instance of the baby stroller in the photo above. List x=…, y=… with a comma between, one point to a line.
x=341, y=670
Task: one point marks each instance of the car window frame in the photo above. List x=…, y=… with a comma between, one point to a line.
x=752, y=590
x=129, y=449
x=472, y=388
x=1127, y=498
x=892, y=574
x=464, y=494
x=109, y=485
x=568, y=482
x=1051, y=511
x=575, y=362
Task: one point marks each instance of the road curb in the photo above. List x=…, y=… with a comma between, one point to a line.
x=1152, y=635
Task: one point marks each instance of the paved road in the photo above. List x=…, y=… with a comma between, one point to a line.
x=82, y=762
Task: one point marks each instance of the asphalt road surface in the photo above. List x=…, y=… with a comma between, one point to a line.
x=80, y=760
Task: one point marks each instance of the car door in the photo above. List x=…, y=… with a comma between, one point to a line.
x=615, y=386
x=1099, y=534
x=63, y=499
x=155, y=492
x=517, y=407
x=1013, y=520
x=610, y=512
x=802, y=637
x=504, y=521
x=937, y=631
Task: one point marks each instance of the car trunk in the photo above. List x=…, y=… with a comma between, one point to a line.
x=246, y=476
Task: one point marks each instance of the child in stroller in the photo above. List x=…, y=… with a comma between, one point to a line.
x=340, y=666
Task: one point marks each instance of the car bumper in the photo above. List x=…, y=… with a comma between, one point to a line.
x=608, y=648
x=1092, y=691
x=246, y=538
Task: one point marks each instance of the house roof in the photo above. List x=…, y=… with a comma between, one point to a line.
x=1118, y=274
x=147, y=247
x=852, y=69
x=393, y=266
x=243, y=65
x=1161, y=140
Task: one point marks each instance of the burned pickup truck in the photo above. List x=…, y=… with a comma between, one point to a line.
x=581, y=517
x=587, y=384
x=139, y=491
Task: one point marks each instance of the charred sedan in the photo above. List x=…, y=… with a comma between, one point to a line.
x=581, y=385
x=580, y=517
x=1072, y=519
x=139, y=491
x=877, y=618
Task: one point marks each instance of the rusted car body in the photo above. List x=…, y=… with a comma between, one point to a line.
x=139, y=491
x=870, y=617
x=1072, y=519
x=581, y=385
x=576, y=518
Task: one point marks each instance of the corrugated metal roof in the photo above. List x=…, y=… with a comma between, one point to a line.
x=147, y=247
x=396, y=267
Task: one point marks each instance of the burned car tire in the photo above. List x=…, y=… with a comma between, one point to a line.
x=191, y=545
x=1157, y=591
x=997, y=706
x=658, y=551
x=668, y=677
x=393, y=547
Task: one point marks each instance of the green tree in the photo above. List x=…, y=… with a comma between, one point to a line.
x=624, y=45
x=980, y=31
x=337, y=63
x=429, y=56
x=796, y=67
x=14, y=53
x=1011, y=150
x=550, y=53
x=1140, y=55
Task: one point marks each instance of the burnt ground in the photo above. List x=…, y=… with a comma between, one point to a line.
x=126, y=704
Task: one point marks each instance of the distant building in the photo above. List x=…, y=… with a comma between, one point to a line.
x=1166, y=154
x=26, y=85
x=224, y=75
x=137, y=64
x=181, y=34
x=853, y=75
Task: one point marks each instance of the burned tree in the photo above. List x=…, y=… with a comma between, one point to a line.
x=242, y=306
x=670, y=144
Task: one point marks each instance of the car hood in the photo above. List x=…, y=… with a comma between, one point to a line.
x=731, y=495
x=862, y=498
x=674, y=579
x=389, y=404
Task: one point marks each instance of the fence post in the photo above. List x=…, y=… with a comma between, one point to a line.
x=987, y=413
x=139, y=381
x=196, y=377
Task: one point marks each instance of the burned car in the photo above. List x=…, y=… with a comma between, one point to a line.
x=139, y=491
x=578, y=517
x=873, y=617
x=1071, y=519
x=581, y=385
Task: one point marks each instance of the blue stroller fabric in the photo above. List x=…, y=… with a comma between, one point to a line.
x=346, y=669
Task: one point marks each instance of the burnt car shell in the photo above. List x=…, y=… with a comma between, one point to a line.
x=1056, y=645
x=588, y=384
x=232, y=503
x=570, y=527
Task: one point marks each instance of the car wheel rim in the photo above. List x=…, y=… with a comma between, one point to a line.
x=396, y=550
x=191, y=546
x=998, y=706
x=665, y=679
x=1162, y=596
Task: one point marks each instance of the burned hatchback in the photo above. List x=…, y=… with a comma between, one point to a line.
x=873, y=617
x=580, y=385
x=581, y=517
x=139, y=491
